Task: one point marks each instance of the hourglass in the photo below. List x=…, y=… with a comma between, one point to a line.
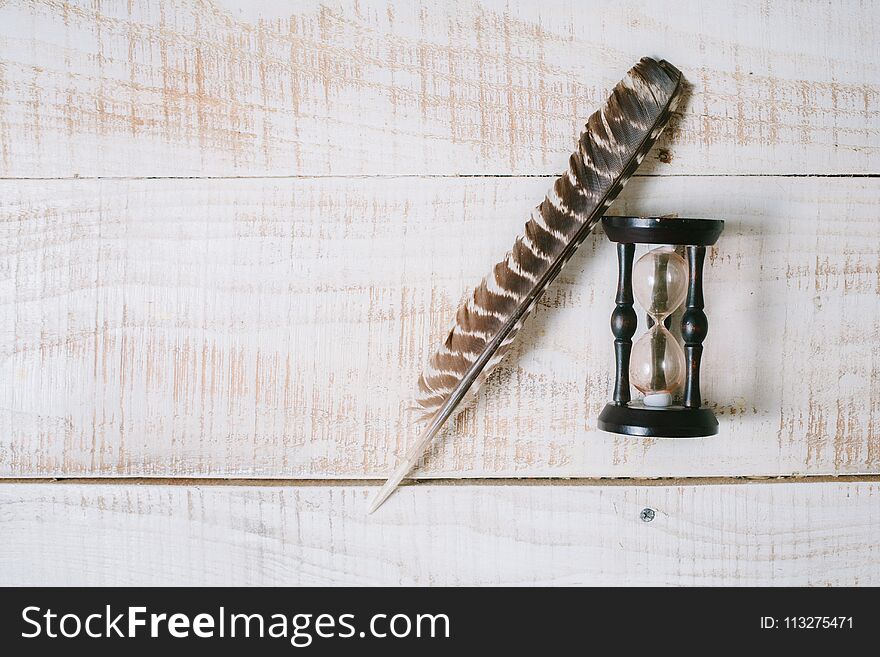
x=657, y=365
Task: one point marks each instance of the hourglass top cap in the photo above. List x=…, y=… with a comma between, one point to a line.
x=663, y=230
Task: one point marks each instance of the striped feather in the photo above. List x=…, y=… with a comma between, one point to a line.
x=615, y=141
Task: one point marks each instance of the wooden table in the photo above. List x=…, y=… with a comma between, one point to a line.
x=231, y=233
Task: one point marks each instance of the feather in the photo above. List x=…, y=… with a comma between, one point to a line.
x=615, y=141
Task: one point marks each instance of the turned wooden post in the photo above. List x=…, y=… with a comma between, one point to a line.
x=694, y=326
x=623, y=322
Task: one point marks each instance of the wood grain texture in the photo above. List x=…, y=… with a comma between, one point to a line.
x=194, y=87
x=764, y=534
x=276, y=328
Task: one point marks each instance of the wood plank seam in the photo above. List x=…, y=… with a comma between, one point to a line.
x=447, y=481
x=429, y=176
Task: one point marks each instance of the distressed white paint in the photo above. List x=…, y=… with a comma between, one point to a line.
x=195, y=87
x=758, y=534
x=275, y=328
x=270, y=327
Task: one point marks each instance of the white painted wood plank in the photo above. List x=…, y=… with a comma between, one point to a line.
x=755, y=535
x=276, y=328
x=200, y=87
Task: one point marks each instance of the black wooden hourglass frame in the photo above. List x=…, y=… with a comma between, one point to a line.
x=633, y=418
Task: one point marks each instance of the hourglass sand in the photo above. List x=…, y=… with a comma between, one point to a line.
x=657, y=365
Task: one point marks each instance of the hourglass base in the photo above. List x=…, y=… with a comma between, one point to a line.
x=636, y=419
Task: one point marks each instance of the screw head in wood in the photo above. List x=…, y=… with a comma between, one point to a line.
x=647, y=515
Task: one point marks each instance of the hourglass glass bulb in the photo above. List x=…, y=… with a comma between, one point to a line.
x=660, y=279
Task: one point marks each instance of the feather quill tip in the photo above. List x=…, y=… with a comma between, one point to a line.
x=379, y=499
x=390, y=486
x=383, y=494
